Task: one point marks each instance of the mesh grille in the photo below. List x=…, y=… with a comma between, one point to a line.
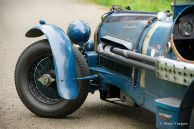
x=116, y=67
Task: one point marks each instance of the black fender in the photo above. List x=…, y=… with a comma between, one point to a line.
x=186, y=107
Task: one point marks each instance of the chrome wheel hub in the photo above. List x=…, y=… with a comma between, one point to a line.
x=46, y=80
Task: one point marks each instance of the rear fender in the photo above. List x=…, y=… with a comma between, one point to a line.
x=186, y=106
x=64, y=58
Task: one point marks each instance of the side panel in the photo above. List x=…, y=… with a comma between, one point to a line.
x=146, y=90
x=64, y=59
x=154, y=45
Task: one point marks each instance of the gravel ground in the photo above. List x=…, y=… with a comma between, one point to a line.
x=16, y=17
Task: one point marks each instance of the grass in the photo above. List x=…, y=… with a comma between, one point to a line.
x=138, y=5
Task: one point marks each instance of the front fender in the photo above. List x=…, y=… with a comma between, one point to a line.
x=64, y=58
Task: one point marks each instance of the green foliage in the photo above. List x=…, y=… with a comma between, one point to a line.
x=138, y=5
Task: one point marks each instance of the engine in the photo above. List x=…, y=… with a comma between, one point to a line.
x=152, y=34
x=138, y=32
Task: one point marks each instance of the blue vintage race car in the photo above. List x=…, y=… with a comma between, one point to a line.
x=141, y=58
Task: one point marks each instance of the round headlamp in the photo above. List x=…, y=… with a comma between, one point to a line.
x=186, y=28
x=79, y=32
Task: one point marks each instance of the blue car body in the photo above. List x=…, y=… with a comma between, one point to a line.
x=137, y=53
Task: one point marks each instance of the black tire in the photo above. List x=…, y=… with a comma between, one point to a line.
x=45, y=106
x=192, y=120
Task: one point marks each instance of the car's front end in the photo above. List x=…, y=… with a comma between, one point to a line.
x=141, y=58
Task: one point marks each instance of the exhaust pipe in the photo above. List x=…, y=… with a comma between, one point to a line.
x=136, y=56
x=165, y=69
x=127, y=57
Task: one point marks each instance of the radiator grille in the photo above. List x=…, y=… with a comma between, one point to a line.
x=116, y=67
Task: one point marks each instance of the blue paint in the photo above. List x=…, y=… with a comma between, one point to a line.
x=127, y=26
x=141, y=42
x=178, y=9
x=140, y=96
x=153, y=90
x=123, y=31
x=92, y=58
x=89, y=46
x=160, y=38
x=79, y=32
x=91, y=77
x=135, y=31
x=167, y=113
x=42, y=22
x=112, y=78
x=64, y=59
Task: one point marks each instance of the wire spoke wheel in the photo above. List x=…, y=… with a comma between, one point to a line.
x=45, y=93
x=35, y=80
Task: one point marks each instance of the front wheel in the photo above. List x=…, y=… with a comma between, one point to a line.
x=36, y=85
